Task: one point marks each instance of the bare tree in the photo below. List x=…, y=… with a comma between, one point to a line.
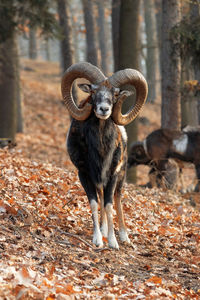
x=14, y=16
x=129, y=57
x=158, y=15
x=170, y=67
x=116, y=4
x=91, y=39
x=8, y=90
x=152, y=59
x=66, y=34
x=103, y=39
x=32, y=44
x=194, y=15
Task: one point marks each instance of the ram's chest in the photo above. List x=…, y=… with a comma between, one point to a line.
x=104, y=145
x=104, y=149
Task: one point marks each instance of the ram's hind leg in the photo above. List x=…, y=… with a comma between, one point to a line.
x=120, y=215
x=90, y=190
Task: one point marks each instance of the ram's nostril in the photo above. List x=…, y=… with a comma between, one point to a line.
x=104, y=109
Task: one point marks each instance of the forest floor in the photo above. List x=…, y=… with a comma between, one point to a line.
x=46, y=225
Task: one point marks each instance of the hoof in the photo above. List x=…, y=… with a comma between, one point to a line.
x=112, y=243
x=124, y=236
x=97, y=239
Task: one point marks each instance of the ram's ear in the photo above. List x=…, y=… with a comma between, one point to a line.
x=126, y=93
x=87, y=88
x=121, y=93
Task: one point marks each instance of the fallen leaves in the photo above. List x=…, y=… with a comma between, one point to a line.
x=155, y=280
x=46, y=229
x=46, y=226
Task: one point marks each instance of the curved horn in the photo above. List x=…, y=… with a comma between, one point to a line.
x=79, y=70
x=136, y=79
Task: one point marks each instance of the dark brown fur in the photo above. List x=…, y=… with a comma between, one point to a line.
x=99, y=151
x=160, y=147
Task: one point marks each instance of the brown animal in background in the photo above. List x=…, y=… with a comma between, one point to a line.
x=162, y=144
x=167, y=178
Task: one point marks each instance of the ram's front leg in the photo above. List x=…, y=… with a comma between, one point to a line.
x=103, y=219
x=120, y=216
x=90, y=190
x=108, y=203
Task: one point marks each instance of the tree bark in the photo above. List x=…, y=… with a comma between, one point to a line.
x=188, y=105
x=158, y=15
x=47, y=49
x=91, y=39
x=129, y=58
x=32, y=44
x=152, y=59
x=194, y=14
x=9, y=89
x=75, y=25
x=20, y=116
x=66, y=49
x=103, y=41
x=171, y=67
x=116, y=4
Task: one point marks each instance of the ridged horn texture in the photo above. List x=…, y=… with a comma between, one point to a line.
x=79, y=70
x=136, y=79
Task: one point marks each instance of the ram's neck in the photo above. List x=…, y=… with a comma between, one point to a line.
x=103, y=124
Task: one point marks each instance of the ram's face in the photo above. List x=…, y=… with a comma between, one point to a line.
x=103, y=102
x=103, y=98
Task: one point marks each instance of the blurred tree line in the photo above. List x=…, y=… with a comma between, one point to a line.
x=160, y=38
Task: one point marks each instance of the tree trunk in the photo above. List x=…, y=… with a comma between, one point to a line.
x=66, y=49
x=129, y=58
x=152, y=60
x=158, y=15
x=75, y=25
x=32, y=44
x=103, y=41
x=47, y=49
x=171, y=67
x=20, y=118
x=91, y=40
x=9, y=88
x=187, y=104
x=189, y=72
x=116, y=4
x=195, y=13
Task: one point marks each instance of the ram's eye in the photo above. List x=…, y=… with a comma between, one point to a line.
x=107, y=100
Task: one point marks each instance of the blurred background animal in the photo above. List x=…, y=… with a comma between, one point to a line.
x=164, y=144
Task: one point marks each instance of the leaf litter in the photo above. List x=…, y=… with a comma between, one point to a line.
x=46, y=226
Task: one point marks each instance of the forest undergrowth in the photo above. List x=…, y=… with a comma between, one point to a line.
x=46, y=225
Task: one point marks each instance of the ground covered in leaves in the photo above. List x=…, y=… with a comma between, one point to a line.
x=46, y=225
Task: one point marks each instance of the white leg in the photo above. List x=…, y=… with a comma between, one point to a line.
x=112, y=242
x=97, y=236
